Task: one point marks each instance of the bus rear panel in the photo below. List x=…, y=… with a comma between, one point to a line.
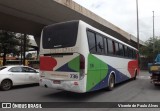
x=62, y=65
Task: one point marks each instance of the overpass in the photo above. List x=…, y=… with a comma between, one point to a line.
x=30, y=16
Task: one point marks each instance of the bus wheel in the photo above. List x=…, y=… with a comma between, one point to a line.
x=111, y=82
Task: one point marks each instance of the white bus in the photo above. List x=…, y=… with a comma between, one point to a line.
x=77, y=57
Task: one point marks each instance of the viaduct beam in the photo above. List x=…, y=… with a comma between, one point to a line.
x=30, y=16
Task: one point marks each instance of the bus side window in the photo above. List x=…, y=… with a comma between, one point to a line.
x=117, y=49
x=110, y=46
x=114, y=49
x=121, y=50
x=91, y=41
x=99, y=44
x=129, y=52
x=134, y=54
x=125, y=51
x=105, y=45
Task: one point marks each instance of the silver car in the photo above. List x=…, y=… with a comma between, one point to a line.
x=17, y=75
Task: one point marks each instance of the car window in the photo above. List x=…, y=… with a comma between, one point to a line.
x=1, y=68
x=16, y=69
x=27, y=69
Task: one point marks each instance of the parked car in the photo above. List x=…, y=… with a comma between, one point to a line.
x=17, y=75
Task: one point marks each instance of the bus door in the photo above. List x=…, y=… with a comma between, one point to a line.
x=93, y=73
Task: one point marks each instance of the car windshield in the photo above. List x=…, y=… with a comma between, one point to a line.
x=1, y=68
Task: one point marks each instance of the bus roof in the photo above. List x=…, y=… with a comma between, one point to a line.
x=94, y=29
x=101, y=32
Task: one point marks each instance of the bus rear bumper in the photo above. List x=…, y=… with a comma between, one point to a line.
x=73, y=86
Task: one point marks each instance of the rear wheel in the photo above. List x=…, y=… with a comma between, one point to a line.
x=111, y=82
x=6, y=85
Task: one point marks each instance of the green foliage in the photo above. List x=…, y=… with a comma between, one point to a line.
x=148, y=51
x=11, y=42
x=8, y=42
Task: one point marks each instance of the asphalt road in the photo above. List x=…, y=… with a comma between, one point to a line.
x=140, y=90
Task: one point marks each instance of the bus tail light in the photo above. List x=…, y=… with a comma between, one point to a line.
x=82, y=66
x=82, y=62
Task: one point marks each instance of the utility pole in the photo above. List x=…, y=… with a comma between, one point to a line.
x=137, y=25
x=24, y=49
x=153, y=35
x=138, y=33
x=21, y=50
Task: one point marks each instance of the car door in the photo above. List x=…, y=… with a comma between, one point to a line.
x=31, y=75
x=17, y=76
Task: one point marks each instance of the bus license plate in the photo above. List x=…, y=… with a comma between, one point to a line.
x=57, y=82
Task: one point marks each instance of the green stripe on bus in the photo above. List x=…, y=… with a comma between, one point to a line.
x=75, y=64
x=96, y=72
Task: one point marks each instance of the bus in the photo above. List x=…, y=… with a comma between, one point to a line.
x=76, y=57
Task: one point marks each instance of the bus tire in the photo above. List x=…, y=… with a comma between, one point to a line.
x=111, y=82
x=6, y=85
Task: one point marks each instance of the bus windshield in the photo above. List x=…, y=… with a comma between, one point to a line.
x=60, y=35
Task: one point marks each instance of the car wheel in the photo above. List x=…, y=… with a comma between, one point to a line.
x=6, y=85
x=111, y=82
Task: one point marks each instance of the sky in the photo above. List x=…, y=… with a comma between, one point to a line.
x=122, y=13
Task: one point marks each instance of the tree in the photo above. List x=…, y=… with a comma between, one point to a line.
x=21, y=40
x=148, y=50
x=21, y=46
x=8, y=43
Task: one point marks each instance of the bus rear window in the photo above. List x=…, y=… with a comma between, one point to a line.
x=60, y=35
